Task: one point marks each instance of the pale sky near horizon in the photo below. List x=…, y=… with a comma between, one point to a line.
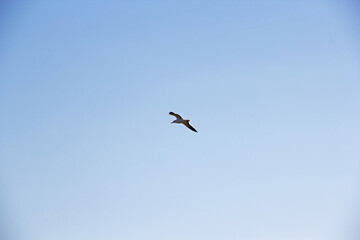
x=88, y=151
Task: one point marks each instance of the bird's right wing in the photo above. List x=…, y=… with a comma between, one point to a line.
x=189, y=126
x=175, y=115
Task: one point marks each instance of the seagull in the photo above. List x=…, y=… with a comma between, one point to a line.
x=179, y=119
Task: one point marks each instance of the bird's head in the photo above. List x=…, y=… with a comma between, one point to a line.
x=173, y=121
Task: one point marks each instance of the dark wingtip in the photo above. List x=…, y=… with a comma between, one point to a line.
x=171, y=113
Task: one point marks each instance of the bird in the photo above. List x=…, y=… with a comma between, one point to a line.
x=179, y=119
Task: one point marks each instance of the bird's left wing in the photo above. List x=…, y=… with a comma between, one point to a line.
x=175, y=115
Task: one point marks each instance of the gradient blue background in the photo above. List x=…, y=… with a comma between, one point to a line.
x=88, y=151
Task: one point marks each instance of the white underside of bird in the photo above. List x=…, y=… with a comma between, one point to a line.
x=179, y=119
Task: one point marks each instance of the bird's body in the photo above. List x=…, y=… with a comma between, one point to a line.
x=179, y=119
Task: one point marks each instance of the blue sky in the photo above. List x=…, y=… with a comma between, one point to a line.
x=88, y=151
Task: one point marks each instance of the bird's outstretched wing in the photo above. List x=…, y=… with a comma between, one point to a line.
x=175, y=115
x=189, y=126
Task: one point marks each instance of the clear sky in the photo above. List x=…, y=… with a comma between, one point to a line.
x=88, y=151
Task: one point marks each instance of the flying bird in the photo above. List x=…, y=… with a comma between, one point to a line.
x=179, y=119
